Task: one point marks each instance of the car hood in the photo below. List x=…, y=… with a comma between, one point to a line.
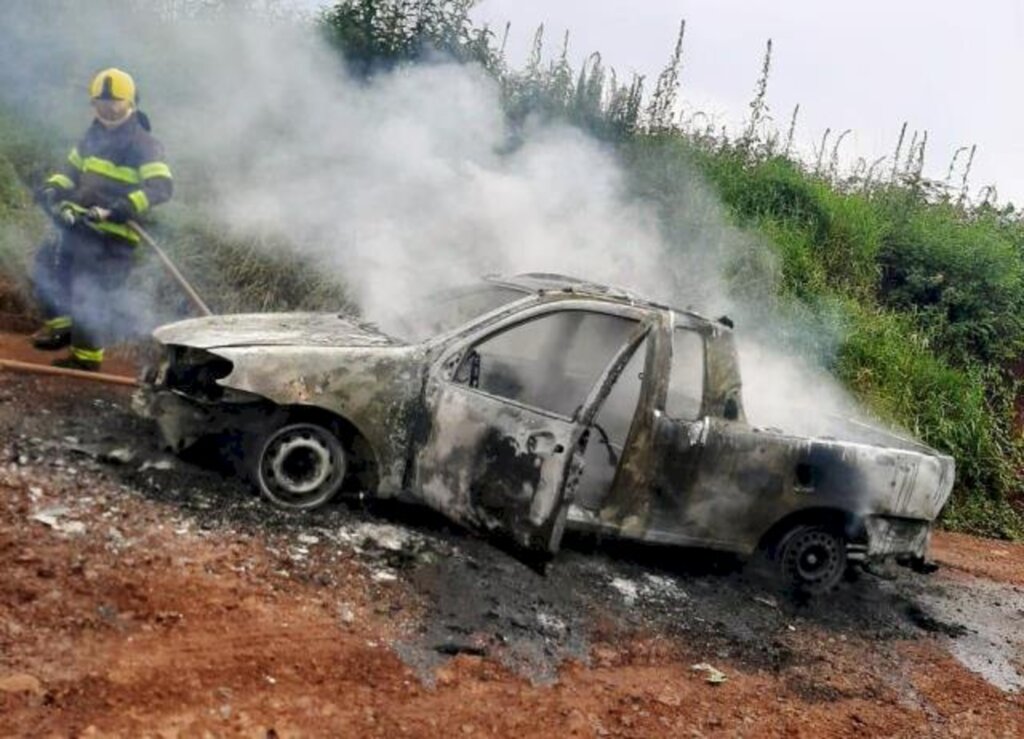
x=272, y=329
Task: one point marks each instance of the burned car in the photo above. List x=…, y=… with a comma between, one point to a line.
x=526, y=405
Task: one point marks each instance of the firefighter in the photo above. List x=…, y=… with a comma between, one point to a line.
x=115, y=174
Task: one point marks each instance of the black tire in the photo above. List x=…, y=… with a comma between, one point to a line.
x=298, y=466
x=812, y=559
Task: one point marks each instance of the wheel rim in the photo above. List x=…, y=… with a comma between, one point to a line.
x=813, y=557
x=301, y=463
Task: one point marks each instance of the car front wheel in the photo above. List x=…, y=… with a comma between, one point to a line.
x=299, y=466
x=812, y=558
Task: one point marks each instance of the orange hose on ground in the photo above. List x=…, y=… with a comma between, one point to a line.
x=42, y=369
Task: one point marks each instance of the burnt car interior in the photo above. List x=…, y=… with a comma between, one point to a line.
x=552, y=363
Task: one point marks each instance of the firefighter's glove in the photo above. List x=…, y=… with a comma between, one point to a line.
x=47, y=196
x=96, y=214
x=67, y=217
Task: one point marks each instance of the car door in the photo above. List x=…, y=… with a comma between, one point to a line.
x=652, y=493
x=509, y=410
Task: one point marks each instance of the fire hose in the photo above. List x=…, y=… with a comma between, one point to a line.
x=42, y=369
x=172, y=270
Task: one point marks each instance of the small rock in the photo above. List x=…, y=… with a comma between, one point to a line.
x=52, y=517
x=551, y=626
x=157, y=464
x=714, y=675
x=71, y=527
x=21, y=682
x=629, y=589
x=120, y=455
x=377, y=536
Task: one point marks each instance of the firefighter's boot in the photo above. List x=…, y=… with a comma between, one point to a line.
x=80, y=358
x=75, y=363
x=55, y=334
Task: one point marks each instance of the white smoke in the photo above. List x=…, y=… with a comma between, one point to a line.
x=399, y=187
x=405, y=185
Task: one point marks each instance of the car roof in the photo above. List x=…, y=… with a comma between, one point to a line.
x=549, y=282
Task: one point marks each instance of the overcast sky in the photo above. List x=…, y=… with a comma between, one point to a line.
x=948, y=66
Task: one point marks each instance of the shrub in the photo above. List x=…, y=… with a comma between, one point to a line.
x=961, y=279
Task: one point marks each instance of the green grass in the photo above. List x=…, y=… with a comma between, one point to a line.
x=21, y=224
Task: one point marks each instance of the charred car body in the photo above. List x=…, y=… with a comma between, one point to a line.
x=529, y=404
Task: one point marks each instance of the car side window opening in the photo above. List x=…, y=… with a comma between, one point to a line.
x=610, y=430
x=616, y=413
x=550, y=362
x=686, y=380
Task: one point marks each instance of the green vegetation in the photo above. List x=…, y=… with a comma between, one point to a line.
x=916, y=289
x=20, y=223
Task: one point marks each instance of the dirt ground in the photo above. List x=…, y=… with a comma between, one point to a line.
x=143, y=595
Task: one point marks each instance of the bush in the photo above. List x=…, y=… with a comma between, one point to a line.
x=961, y=279
x=377, y=35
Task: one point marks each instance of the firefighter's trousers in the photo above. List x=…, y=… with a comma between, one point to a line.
x=81, y=276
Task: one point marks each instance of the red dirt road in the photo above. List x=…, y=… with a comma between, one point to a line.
x=122, y=616
x=1001, y=561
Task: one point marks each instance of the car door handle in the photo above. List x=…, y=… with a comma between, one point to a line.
x=543, y=443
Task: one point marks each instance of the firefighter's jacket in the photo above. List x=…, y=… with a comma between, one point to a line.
x=121, y=169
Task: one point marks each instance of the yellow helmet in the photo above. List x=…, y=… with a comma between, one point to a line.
x=113, y=84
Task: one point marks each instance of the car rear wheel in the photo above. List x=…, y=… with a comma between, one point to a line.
x=812, y=558
x=299, y=466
